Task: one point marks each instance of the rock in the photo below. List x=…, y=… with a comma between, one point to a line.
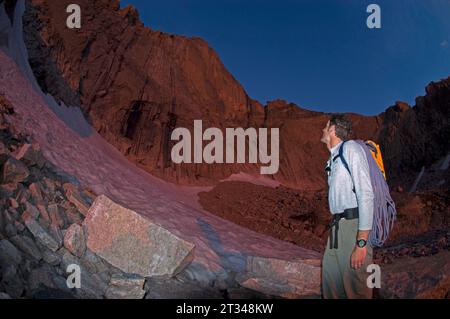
x=132, y=243
x=75, y=197
x=285, y=278
x=27, y=245
x=55, y=216
x=73, y=216
x=67, y=258
x=42, y=235
x=7, y=216
x=14, y=213
x=8, y=190
x=43, y=213
x=31, y=155
x=36, y=193
x=74, y=240
x=9, y=254
x=30, y=212
x=45, y=283
x=4, y=295
x=50, y=257
x=3, y=153
x=13, y=203
x=12, y=282
x=10, y=230
x=20, y=227
x=49, y=184
x=23, y=195
x=126, y=287
x=57, y=234
x=92, y=285
x=46, y=276
x=14, y=171
x=93, y=263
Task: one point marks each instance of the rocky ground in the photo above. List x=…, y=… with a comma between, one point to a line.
x=42, y=231
x=42, y=211
x=281, y=212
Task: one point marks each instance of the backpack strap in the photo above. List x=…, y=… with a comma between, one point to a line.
x=344, y=162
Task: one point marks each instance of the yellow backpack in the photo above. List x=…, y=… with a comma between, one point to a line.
x=376, y=154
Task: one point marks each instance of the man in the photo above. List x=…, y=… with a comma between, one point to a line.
x=350, y=197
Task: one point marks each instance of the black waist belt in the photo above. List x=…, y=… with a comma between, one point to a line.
x=350, y=213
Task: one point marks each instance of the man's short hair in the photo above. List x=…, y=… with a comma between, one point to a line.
x=343, y=126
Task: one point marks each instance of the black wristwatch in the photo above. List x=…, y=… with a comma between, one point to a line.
x=361, y=243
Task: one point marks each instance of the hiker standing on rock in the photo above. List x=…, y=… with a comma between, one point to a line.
x=351, y=202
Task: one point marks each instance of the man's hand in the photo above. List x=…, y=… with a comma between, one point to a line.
x=358, y=257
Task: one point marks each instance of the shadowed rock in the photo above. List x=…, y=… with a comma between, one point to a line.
x=42, y=235
x=285, y=278
x=14, y=171
x=74, y=240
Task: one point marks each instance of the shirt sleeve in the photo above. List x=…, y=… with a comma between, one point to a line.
x=359, y=169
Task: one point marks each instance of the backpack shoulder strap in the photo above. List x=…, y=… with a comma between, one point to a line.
x=344, y=162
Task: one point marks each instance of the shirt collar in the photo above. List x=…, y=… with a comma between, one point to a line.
x=335, y=148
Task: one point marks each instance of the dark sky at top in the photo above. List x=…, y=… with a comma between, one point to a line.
x=318, y=54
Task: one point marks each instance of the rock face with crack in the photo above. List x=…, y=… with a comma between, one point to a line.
x=132, y=243
x=136, y=85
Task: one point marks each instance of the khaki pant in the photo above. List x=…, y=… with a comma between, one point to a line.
x=339, y=279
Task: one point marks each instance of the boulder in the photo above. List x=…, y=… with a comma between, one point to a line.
x=9, y=254
x=93, y=263
x=92, y=285
x=27, y=245
x=46, y=276
x=12, y=282
x=42, y=235
x=4, y=295
x=50, y=257
x=125, y=287
x=74, y=240
x=14, y=171
x=295, y=278
x=133, y=243
x=10, y=230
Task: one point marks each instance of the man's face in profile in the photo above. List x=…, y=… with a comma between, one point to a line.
x=326, y=133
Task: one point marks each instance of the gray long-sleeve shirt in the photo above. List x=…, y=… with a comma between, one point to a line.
x=340, y=194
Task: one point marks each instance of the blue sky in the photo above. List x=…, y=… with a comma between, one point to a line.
x=318, y=54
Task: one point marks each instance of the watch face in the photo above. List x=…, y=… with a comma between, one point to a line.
x=361, y=243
